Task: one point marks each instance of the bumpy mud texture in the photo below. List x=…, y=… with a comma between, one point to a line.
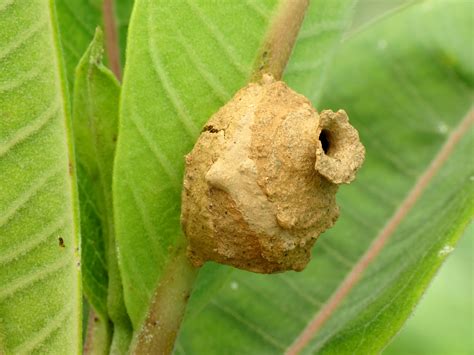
x=261, y=181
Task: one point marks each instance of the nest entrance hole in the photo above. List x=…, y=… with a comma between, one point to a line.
x=324, y=137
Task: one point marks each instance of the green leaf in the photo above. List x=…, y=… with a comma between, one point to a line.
x=40, y=294
x=96, y=97
x=319, y=36
x=407, y=85
x=211, y=278
x=368, y=11
x=442, y=323
x=179, y=71
x=94, y=266
x=95, y=114
x=185, y=59
x=78, y=20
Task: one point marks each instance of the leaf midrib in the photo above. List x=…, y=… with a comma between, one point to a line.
x=379, y=18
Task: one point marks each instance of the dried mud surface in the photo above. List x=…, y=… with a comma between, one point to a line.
x=261, y=181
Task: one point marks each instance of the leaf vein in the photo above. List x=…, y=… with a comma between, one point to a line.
x=328, y=26
x=24, y=281
x=99, y=257
x=213, y=82
x=263, y=334
x=170, y=91
x=161, y=158
x=22, y=38
x=33, y=127
x=304, y=67
x=29, y=244
x=77, y=19
x=17, y=82
x=150, y=234
x=44, y=332
x=219, y=37
x=337, y=255
x=257, y=8
x=298, y=290
x=21, y=201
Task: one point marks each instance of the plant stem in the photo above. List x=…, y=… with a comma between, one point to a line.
x=280, y=39
x=97, y=337
x=161, y=326
x=122, y=327
x=111, y=38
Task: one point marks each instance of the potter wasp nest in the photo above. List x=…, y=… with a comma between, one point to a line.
x=260, y=183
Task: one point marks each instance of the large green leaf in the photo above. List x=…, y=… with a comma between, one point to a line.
x=407, y=84
x=319, y=36
x=40, y=294
x=95, y=117
x=185, y=60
